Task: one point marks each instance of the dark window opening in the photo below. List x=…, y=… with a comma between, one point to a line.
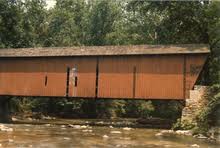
x=67, y=81
x=45, y=83
x=134, y=80
x=97, y=78
x=76, y=79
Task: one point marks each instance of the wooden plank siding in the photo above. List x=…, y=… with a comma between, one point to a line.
x=86, y=77
x=120, y=77
x=194, y=65
x=159, y=77
x=27, y=77
x=115, y=77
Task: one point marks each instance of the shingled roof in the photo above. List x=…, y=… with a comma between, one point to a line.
x=105, y=50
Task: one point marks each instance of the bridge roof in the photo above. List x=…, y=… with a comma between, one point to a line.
x=105, y=50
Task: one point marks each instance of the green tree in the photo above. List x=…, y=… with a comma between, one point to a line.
x=142, y=22
x=35, y=24
x=104, y=15
x=10, y=23
x=212, y=71
x=178, y=22
x=67, y=23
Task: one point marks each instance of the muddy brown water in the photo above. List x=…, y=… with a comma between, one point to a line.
x=61, y=136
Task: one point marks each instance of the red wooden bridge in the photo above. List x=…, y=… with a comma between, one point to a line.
x=128, y=72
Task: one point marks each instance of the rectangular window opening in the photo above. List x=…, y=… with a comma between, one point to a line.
x=67, y=81
x=45, y=83
x=76, y=81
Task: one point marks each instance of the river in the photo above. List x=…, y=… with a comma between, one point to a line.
x=62, y=136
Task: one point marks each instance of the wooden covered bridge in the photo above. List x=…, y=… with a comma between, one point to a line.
x=127, y=72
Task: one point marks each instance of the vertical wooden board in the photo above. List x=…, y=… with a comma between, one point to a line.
x=55, y=72
x=159, y=77
x=194, y=65
x=56, y=85
x=87, y=78
x=85, y=71
x=19, y=78
x=115, y=77
x=4, y=77
x=26, y=77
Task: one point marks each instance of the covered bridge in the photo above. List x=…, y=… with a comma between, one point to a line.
x=128, y=72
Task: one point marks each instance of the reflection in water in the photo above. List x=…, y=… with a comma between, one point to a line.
x=56, y=136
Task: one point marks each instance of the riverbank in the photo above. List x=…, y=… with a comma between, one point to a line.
x=118, y=122
x=214, y=136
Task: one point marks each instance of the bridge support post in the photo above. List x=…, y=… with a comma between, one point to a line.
x=5, y=116
x=193, y=105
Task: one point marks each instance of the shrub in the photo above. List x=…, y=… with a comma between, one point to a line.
x=204, y=119
x=138, y=108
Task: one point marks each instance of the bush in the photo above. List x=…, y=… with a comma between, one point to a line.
x=183, y=125
x=204, y=119
x=167, y=109
x=97, y=108
x=138, y=108
x=23, y=104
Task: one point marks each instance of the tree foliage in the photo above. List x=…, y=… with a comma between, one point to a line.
x=67, y=24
